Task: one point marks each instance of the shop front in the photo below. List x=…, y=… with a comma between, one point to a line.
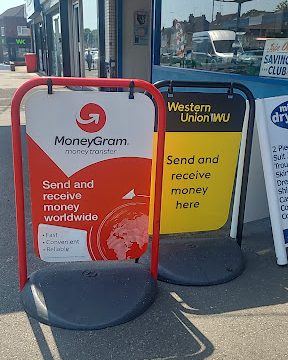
x=92, y=38
x=51, y=42
x=109, y=38
x=17, y=47
x=63, y=34
x=45, y=22
x=243, y=41
x=15, y=36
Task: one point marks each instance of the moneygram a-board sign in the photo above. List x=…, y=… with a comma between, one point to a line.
x=275, y=59
x=203, y=136
x=272, y=121
x=90, y=157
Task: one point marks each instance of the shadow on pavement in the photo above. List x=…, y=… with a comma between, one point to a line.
x=263, y=282
x=162, y=332
x=165, y=331
x=9, y=283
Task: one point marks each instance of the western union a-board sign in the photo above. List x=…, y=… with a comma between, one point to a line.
x=202, y=144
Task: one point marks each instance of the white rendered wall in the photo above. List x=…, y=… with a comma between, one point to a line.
x=256, y=203
x=136, y=58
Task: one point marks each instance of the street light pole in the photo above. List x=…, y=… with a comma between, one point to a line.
x=239, y=2
x=238, y=16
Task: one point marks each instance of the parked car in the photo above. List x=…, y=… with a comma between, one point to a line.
x=251, y=57
x=189, y=62
x=249, y=61
x=165, y=58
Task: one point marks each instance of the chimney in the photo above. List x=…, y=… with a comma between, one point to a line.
x=191, y=18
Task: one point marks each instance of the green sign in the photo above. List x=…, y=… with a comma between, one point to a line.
x=20, y=41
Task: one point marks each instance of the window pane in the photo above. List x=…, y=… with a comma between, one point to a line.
x=220, y=35
x=90, y=40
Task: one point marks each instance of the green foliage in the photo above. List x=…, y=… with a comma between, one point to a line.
x=283, y=5
x=90, y=38
x=252, y=13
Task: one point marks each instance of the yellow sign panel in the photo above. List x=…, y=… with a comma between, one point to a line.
x=199, y=165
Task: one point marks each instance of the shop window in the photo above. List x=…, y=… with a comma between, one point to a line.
x=20, y=53
x=23, y=31
x=220, y=35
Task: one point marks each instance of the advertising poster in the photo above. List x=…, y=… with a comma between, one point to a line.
x=180, y=40
x=29, y=8
x=90, y=156
x=275, y=59
x=272, y=121
x=141, y=27
x=201, y=151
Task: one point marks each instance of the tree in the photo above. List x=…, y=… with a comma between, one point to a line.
x=282, y=6
x=90, y=38
x=87, y=38
x=252, y=13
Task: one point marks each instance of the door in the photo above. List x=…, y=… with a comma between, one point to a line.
x=76, y=41
x=40, y=46
x=56, y=53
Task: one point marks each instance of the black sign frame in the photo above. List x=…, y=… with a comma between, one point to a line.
x=230, y=87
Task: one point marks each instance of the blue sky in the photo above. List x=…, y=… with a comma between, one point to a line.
x=178, y=9
x=7, y=4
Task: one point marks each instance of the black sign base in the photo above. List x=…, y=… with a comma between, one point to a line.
x=199, y=262
x=87, y=296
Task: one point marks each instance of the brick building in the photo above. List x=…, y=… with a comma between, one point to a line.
x=15, y=39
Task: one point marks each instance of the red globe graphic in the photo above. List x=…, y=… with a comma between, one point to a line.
x=123, y=234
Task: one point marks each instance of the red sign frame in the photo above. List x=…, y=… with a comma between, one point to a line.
x=18, y=164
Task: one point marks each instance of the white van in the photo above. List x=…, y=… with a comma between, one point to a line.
x=214, y=47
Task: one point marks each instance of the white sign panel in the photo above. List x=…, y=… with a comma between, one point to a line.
x=57, y=243
x=90, y=157
x=275, y=59
x=29, y=8
x=75, y=131
x=272, y=121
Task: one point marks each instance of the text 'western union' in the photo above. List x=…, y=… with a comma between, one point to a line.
x=198, y=113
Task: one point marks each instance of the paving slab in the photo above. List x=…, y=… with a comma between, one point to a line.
x=9, y=82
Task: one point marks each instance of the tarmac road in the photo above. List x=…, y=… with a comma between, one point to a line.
x=246, y=318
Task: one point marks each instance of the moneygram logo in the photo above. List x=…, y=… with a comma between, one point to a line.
x=92, y=118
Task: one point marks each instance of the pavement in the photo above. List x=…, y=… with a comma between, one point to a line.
x=246, y=318
x=9, y=82
x=5, y=67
